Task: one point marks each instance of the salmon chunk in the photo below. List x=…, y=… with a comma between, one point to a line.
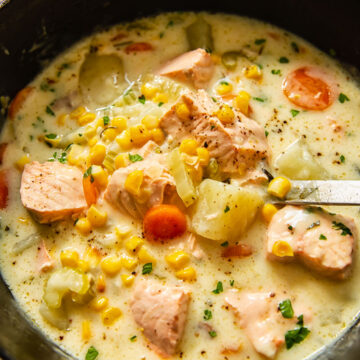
x=194, y=67
x=52, y=191
x=157, y=183
x=161, y=310
x=258, y=314
x=324, y=242
x=237, y=144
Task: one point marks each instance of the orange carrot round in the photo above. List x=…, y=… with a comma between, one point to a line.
x=18, y=101
x=310, y=88
x=164, y=222
x=91, y=192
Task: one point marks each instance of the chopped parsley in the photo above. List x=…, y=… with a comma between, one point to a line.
x=314, y=224
x=286, y=309
x=51, y=136
x=232, y=282
x=207, y=315
x=296, y=336
x=283, y=60
x=212, y=333
x=213, y=99
x=160, y=104
x=266, y=133
x=224, y=244
x=88, y=173
x=224, y=82
x=61, y=158
x=49, y=111
x=227, y=208
x=294, y=112
x=300, y=320
x=340, y=226
x=342, y=98
x=219, y=288
x=142, y=99
x=135, y=158
x=322, y=237
x=133, y=338
x=276, y=72
x=91, y=354
x=295, y=47
x=106, y=120
x=147, y=268
x=46, y=87
x=290, y=227
x=259, y=99
x=161, y=35
x=342, y=158
x=170, y=23
x=259, y=41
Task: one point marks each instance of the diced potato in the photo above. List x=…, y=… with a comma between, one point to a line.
x=184, y=184
x=297, y=163
x=224, y=212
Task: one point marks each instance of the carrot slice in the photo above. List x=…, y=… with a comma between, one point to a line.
x=310, y=88
x=164, y=222
x=91, y=192
x=241, y=250
x=19, y=101
x=136, y=47
x=4, y=191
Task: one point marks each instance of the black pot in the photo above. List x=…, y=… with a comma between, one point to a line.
x=54, y=25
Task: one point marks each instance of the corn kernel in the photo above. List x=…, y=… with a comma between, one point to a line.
x=189, y=146
x=121, y=160
x=134, y=181
x=120, y=123
x=225, y=114
x=127, y=280
x=83, y=265
x=99, y=303
x=178, y=259
x=76, y=155
x=128, y=262
x=268, y=211
x=86, y=330
x=92, y=256
x=149, y=90
x=224, y=87
x=86, y=118
x=61, y=119
x=83, y=226
x=182, y=111
x=150, y=122
x=110, y=315
x=253, y=72
x=90, y=132
x=122, y=231
x=133, y=244
x=101, y=283
x=25, y=159
x=109, y=134
x=186, y=274
x=97, y=154
x=157, y=135
x=124, y=140
x=241, y=102
x=145, y=256
x=139, y=134
x=23, y=220
x=100, y=175
x=161, y=98
x=111, y=265
x=203, y=156
x=96, y=217
x=77, y=112
x=279, y=187
x=70, y=258
x=282, y=248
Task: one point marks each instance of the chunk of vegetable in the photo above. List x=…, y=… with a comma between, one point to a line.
x=18, y=101
x=56, y=317
x=164, y=222
x=297, y=163
x=63, y=281
x=26, y=243
x=101, y=79
x=224, y=212
x=91, y=191
x=199, y=35
x=184, y=184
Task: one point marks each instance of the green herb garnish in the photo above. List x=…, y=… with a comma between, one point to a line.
x=227, y=208
x=294, y=112
x=340, y=226
x=219, y=288
x=276, y=72
x=342, y=98
x=160, y=104
x=283, y=60
x=133, y=338
x=224, y=82
x=51, y=136
x=259, y=99
x=49, y=111
x=212, y=333
x=295, y=47
x=322, y=237
x=106, y=120
x=91, y=354
x=286, y=309
x=266, y=133
x=259, y=41
x=224, y=244
x=147, y=268
x=232, y=282
x=142, y=99
x=135, y=157
x=342, y=158
x=296, y=336
x=207, y=315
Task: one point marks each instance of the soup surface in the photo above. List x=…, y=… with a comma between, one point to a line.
x=136, y=219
